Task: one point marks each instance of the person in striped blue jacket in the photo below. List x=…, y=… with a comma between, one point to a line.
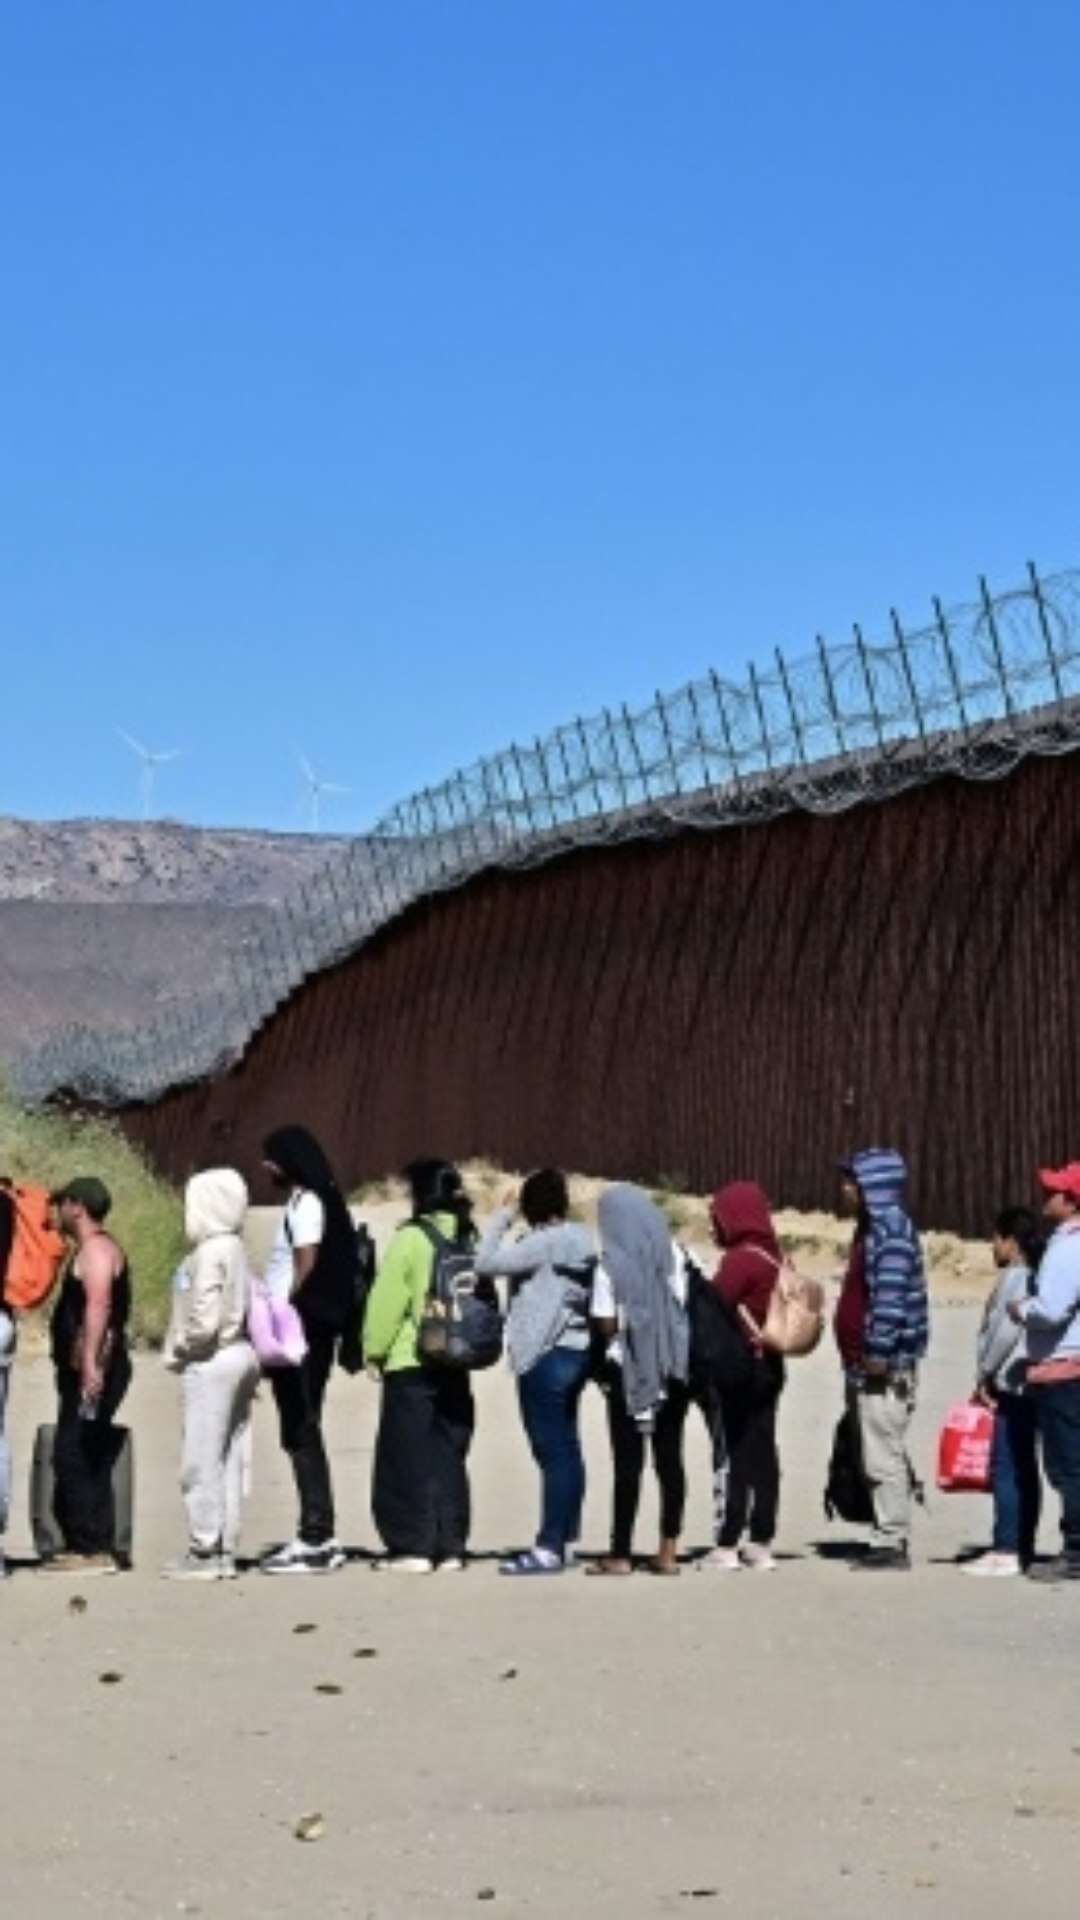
x=883, y=1326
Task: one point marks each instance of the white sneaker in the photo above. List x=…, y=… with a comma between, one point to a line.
x=226, y=1567
x=453, y=1564
x=721, y=1560
x=993, y=1566
x=758, y=1559
x=193, y=1566
x=404, y=1563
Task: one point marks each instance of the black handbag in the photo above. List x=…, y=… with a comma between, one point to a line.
x=847, y=1490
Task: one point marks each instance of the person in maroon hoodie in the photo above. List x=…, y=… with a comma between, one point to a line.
x=746, y=1276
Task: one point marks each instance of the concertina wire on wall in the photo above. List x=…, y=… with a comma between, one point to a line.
x=970, y=694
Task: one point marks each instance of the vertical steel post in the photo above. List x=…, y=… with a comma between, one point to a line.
x=700, y=740
x=909, y=675
x=568, y=774
x=954, y=673
x=620, y=777
x=631, y=729
x=864, y=662
x=1044, y=628
x=515, y=753
x=830, y=695
x=990, y=616
x=755, y=688
x=725, y=728
x=587, y=757
x=796, y=723
x=540, y=748
x=669, y=743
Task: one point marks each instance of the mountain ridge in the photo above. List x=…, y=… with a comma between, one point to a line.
x=111, y=922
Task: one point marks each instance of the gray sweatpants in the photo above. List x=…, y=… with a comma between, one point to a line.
x=215, y=1471
x=884, y=1419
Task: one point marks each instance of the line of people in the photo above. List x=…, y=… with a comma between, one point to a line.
x=621, y=1308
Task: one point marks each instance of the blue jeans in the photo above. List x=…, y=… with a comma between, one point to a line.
x=549, y=1394
x=1058, y=1408
x=1014, y=1476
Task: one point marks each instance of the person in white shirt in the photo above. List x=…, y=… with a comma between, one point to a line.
x=313, y=1263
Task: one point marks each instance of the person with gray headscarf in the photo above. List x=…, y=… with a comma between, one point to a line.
x=639, y=1301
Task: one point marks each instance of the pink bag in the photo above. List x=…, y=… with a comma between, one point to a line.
x=275, y=1329
x=964, y=1449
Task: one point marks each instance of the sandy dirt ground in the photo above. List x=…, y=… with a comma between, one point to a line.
x=808, y=1741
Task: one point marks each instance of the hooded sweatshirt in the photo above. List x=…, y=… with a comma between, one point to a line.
x=752, y=1259
x=897, y=1324
x=210, y=1293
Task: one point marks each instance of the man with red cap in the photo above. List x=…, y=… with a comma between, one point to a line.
x=1051, y=1320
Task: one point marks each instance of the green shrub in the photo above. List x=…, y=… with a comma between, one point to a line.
x=50, y=1148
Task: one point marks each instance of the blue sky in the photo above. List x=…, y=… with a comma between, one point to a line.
x=387, y=382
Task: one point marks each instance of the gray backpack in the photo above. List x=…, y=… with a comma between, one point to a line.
x=460, y=1326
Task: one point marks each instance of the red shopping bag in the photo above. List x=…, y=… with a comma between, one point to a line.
x=964, y=1449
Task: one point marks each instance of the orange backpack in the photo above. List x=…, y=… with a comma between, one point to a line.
x=37, y=1250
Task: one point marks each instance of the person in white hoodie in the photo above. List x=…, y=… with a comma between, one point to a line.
x=207, y=1345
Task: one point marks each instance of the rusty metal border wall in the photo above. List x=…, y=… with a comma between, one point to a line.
x=972, y=692
x=752, y=1001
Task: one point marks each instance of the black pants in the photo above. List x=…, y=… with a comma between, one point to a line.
x=84, y=1453
x=753, y=1490
x=420, y=1494
x=1058, y=1413
x=299, y=1393
x=628, y=1455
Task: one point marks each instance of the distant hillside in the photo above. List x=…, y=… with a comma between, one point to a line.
x=157, y=862
x=110, y=922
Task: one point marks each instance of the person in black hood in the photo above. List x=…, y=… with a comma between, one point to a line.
x=313, y=1264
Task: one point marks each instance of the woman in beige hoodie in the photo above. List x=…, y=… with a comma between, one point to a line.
x=207, y=1345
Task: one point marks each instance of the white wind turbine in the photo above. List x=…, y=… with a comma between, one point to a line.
x=148, y=772
x=316, y=788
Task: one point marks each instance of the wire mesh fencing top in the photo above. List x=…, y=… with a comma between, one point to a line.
x=971, y=692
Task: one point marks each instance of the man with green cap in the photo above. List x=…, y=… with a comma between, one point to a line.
x=93, y=1373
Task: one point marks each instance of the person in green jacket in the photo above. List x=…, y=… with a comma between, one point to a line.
x=420, y=1493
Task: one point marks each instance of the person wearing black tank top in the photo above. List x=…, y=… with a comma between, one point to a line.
x=93, y=1373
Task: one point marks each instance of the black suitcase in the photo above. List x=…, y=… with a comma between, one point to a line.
x=48, y=1539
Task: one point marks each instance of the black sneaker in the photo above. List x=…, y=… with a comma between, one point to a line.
x=1051, y=1573
x=883, y=1560
x=298, y=1557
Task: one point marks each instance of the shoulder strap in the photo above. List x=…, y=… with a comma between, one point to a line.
x=431, y=1232
x=439, y=1240
x=581, y=1274
x=298, y=1195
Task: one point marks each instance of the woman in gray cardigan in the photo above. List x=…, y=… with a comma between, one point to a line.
x=1001, y=1366
x=550, y=1270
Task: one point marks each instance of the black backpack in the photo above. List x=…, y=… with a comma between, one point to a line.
x=460, y=1327
x=721, y=1358
x=847, y=1491
x=351, y=1344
